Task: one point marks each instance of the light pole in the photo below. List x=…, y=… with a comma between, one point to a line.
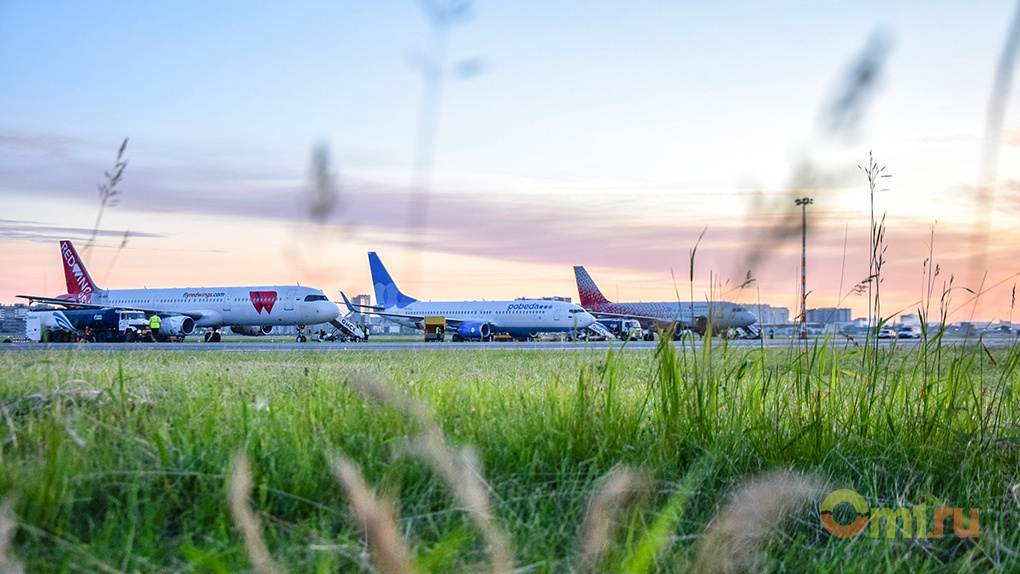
x=803, y=202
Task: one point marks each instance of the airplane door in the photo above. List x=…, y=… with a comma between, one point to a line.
x=288, y=305
x=226, y=302
x=556, y=313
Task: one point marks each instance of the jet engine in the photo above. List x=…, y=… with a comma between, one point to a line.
x=176, y=326
x=476, y=330
x=252, y=330
x=701, y=325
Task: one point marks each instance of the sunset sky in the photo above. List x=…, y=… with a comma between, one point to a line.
x=603, y=134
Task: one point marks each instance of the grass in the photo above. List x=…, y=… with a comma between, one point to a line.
x=123, y=461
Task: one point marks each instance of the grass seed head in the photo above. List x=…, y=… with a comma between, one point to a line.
x=462, y=474
x=386, y=550
x=603, y=511
x=754, y=512
x=8, y=525
x=245, y=520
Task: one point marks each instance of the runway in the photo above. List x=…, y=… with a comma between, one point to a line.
x=263, y=346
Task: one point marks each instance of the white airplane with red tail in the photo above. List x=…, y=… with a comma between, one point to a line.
x=245, y=310
x=669, y=316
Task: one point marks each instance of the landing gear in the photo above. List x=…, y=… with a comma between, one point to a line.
x=301, y=338
x=212, y=336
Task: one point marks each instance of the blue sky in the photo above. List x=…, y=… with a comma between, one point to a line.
x=591, y=133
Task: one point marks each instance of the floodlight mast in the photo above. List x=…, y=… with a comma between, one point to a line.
x=803, y=202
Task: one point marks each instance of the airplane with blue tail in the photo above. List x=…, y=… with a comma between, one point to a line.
x=523, y=319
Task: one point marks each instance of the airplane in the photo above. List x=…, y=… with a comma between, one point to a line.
x=522, y=319
x=251, y=311
x=721, y=315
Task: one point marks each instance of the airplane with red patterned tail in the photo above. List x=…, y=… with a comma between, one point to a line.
x=699, y=317
x=249, y=311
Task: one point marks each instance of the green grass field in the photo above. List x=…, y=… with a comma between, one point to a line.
x=700, y=460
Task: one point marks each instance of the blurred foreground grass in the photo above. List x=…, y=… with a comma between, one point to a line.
x=121, y=461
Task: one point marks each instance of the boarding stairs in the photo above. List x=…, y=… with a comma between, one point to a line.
x=749, y=332
x=601, y=330
x=347, y=329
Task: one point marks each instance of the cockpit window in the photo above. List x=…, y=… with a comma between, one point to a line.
x=575, y=310
x=738, y=309
x=316, y=298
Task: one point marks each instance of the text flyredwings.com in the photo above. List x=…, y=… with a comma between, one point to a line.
x=914, y=521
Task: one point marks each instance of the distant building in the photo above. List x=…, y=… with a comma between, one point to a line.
x=366, y=301
x=828, y=315
x=911, y=320
x=12, y=318
x=553, y=298
x=16, y=311
x=769, y=315
x=556, y=298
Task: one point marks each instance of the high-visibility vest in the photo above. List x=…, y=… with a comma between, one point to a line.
x=154, y=322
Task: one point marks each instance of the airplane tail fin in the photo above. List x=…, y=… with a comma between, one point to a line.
x=587, y=290
x=79, y=283
x=386, y=292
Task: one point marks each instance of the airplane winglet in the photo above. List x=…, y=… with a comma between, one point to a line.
x=350, y=306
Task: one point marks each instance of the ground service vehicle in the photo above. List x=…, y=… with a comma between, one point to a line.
x=624, y=329
x=435, y=328
x=908, y=332
x=96, y=325
x=886, y=332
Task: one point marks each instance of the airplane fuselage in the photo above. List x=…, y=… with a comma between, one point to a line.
x=723, y=315
x=518, y=318
x=227, y=306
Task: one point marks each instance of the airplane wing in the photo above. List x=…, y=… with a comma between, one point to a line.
x=351, y=306
x=598, y=314
x=647, y=321
x=380, y=311
x=62, y=302
x=196, y=315
x=375, y=310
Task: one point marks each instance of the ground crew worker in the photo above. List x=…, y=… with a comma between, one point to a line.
x=154, y=326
